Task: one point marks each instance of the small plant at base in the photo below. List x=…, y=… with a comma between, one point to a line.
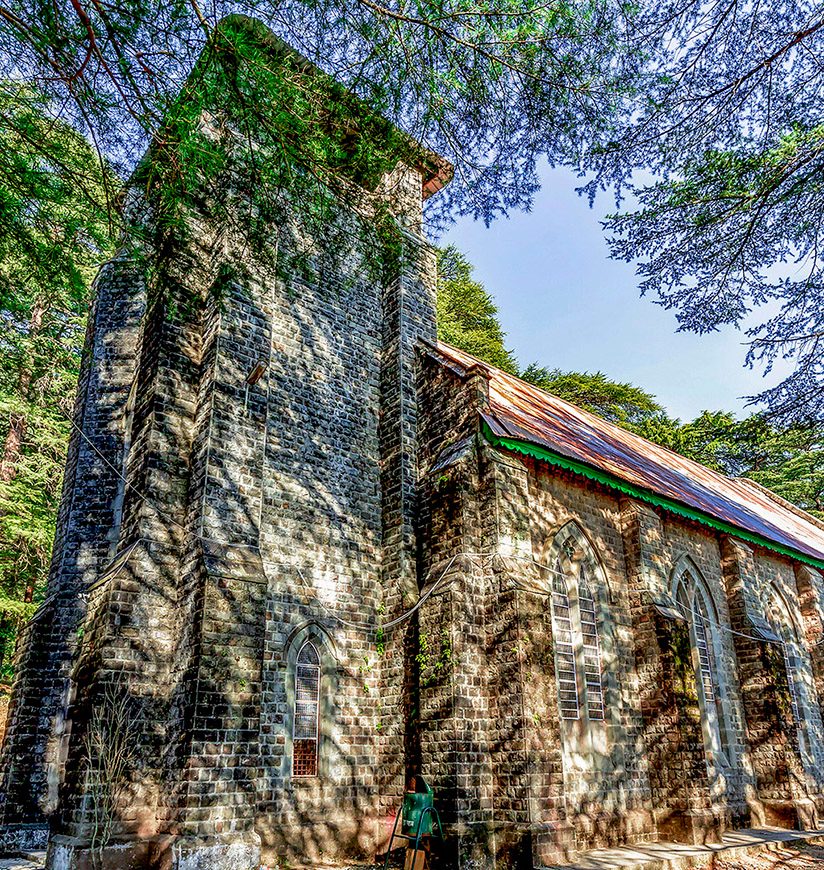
x=109, y=746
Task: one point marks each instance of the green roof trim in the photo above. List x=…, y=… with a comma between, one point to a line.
x=544, y=454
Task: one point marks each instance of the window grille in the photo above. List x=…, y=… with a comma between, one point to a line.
x=703, y=632
x=593, y=687
x=790, y=666
x=702, y=640
x=306, y=714
x=564, y=646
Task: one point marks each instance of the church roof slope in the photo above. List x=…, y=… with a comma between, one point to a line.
x=528, y=419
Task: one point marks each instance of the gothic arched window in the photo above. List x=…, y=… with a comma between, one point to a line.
x=576, y=628
x=591, y=644
x=784, y=626
x=696, y=605
x=305, y=735
x=564, y=637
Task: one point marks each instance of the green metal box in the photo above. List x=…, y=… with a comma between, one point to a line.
x=414, y=804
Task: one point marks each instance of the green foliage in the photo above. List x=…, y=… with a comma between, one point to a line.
x=54, y=221
x=54, y=231
x=467, y=314
x=314, y=145
x=492, y=85
x=614, y=401
x=432, y=662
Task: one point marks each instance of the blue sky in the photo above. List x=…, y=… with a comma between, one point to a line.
x=564, y=303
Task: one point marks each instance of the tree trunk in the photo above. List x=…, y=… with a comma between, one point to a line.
x=17, y=422
x=3, y=623
x=11, y=447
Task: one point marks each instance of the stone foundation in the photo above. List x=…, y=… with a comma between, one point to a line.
x=162, y=853
x=23, y=838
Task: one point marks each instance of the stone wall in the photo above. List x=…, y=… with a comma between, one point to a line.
x=337, y=540
x=37, y=733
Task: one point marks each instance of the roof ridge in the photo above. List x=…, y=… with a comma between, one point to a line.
x=601, y=420
x=798, y=511
x=533, y=415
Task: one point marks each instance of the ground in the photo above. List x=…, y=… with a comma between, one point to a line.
x=797, y=857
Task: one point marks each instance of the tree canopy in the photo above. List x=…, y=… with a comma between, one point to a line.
x=467, y=314
x=490, y=85
x=617, y=402
x=726, y=215
x=717, y=104
x=54, y=239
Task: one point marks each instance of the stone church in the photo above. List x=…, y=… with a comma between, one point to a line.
x=305, y=552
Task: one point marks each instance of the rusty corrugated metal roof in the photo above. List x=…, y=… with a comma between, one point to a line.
x=521, y=411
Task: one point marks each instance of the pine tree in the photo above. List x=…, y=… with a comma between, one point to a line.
x=53, y=240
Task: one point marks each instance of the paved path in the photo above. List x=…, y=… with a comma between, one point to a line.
x=673, y=856
x=760, y=849
x=785, y=857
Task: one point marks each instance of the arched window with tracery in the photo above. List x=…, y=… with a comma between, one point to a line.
x=784, y=627
x=591, y=646
x=696, y=605
x=576, y=629
x=306, y=718
x=564, y=637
